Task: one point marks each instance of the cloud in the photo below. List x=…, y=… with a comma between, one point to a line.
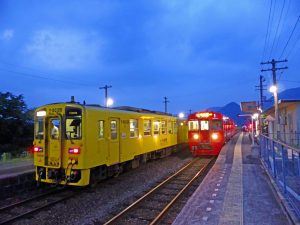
x=64, y=49
x=7, y=34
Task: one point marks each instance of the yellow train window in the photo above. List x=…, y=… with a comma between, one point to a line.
x=101, y=129
x=113, y=130
x=147, y=127
x=156, y=127
x=163, y=127
x=134, y=128
x=170, y=130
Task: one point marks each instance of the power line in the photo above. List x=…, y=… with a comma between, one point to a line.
x=268, y=27
x=290, y=37
x=42, y=77
x=279, y=21
x=294, y=46
x=271, y=24
x=283, y=24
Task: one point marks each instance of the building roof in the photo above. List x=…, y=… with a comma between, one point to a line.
x=283, y=103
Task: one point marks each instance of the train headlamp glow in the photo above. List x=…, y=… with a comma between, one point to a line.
x=214, y=136
x=196, y=136
x=40, y=113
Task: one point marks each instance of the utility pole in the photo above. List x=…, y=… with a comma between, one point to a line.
x=166, y=102
x=261, y=88
x=274, y=69
x=190, y=111
x=105, y=88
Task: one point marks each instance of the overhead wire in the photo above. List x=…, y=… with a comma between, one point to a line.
x=267, y=33
x=45, y=78
x=287, y=43
x=277, y=28
x=271, y=24
x=283, y=25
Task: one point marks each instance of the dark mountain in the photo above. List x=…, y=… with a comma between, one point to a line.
x=231, y=110
x=289, y=94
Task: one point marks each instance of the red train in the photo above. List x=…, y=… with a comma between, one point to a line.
x=208, y=132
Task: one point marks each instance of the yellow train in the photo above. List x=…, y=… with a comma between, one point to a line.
x=76, y=144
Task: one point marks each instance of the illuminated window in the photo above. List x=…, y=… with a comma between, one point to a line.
x=194, y=125
x=163, y=127
x=101, y=129
x=54, y=126
x=204, y=125
x=134, y=128
x=217, y=125
x=39, y=128
x=156, y=127
x=147, y=127
x=113, y=130
x=170, y=130
x=175, y=128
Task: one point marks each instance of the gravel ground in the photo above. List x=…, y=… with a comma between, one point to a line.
x=97, y=205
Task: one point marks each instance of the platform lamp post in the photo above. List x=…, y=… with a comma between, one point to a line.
x=273, y=89
x=254, y=117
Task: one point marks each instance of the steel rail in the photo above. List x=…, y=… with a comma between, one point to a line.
x=14, y=218
x=3, y=208
x=113, y=219
x=163, y=212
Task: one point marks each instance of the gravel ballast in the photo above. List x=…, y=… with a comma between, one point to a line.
x=97, y=205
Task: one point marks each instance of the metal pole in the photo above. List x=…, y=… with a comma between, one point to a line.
x=252, y=131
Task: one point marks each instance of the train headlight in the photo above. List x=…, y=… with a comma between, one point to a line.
x=196, y=136
x=41, y=113
x=214, y=136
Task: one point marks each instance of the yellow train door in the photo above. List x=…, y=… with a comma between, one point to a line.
x=53, y=143
x=114, y=141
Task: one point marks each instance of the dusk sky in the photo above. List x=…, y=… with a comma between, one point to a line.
x=198, y=53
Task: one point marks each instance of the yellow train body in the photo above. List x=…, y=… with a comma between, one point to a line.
x=76, y=144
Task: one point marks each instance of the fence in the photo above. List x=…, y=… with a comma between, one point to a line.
x=283, y=162
x=291, y=139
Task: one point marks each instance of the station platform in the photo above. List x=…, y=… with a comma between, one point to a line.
x=16, y=177
x=236, y=190
x=12, y=169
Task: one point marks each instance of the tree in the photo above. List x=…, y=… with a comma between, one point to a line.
x=16, y=126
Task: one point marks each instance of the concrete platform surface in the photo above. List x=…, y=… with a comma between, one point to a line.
x=11, y=169
x=235, y=191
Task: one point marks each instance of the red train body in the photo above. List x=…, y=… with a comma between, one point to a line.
x=208, y=132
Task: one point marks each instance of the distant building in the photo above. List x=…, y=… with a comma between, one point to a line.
x=289, y=121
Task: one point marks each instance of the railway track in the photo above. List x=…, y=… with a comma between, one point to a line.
x=153, y=207
x=24, y=208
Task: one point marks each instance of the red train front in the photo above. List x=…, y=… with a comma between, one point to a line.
x=208, y=132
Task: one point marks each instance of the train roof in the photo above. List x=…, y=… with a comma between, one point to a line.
x=127, y=109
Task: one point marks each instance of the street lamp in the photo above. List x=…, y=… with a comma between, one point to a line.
x=181, y=115
x=109, y=102
x=273, y=89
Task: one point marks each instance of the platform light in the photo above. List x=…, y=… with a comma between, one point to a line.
x=273, y=89
x=109, y=102
x=255, y=116
x=41, y=113
x=181, y=115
